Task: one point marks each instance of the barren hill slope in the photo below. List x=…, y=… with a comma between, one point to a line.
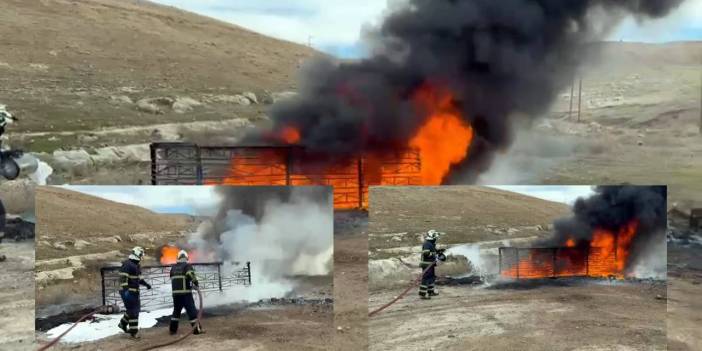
x=465, y=213
x=67, y=214
x=78, y=233
x=62, y=59
x=641, y=54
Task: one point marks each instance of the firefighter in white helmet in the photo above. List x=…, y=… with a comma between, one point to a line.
x=430, y=255
x=5, y=118
x=183, y=280
x=130, y=280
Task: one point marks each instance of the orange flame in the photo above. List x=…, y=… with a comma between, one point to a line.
x=290, y=135
x=169, y=254
x=444, y=138
x=606, y=256
x=440, y=142
x=615, y=247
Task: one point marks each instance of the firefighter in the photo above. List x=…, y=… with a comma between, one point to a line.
x=429, y=256
x=130, y=280
x=183, y=280
x=5, y=118
x=3, y=219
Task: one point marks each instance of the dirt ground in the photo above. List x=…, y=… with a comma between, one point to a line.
x=290, y=328
x=586, y=316
x=684, y=290
x=17, y=296
x=684, y=303
x=350, y=282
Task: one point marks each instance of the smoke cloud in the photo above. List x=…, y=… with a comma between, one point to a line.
x=612, y=208
x=284, y=232
x=501, y=60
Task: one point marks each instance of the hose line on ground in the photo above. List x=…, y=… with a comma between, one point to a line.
x=152, y=347
x=192, y=330
x=412, y=285
x=53, y=342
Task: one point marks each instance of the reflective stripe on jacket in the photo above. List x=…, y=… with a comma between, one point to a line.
x=183, y=278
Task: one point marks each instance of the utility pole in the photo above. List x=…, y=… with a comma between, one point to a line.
x=570, y=109
x=580, y=96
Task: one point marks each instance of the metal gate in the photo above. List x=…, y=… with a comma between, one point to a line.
x=190, y=164
x=209, y=276
x=529, y=263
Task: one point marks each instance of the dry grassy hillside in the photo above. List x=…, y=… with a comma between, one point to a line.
x=627, y=53
x=63, y=213
x=78, y=233
x=465, y=213
x=63, y=59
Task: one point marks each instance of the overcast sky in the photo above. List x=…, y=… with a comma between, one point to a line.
x=334, y=26
x=558, y=193
x=193, y=200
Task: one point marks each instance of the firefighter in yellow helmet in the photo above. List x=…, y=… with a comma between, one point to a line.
x=183, y=279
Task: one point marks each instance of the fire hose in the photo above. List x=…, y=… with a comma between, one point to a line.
x=412, y=285
x=53, y=342
x=192, y=330
x=103, y=309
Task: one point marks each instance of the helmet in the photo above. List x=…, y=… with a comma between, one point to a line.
x=137, y=253
x=183, y=256
x=432, y=235
x=7, y=116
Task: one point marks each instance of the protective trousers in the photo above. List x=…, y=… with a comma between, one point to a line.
x=132, y=305
x=186, y=301
x=427, y=285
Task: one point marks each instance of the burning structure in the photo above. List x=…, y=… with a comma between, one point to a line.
x=611, y=234
x=261, y=235
x=439, y=95
x=177, y=163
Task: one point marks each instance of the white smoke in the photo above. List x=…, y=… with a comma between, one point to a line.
x=532, y=155
x=291, y=239
x=481, y=263
x=653, y=261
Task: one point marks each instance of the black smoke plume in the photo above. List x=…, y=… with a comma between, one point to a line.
x=251, y=200
x=502, y=60
x=612, y=208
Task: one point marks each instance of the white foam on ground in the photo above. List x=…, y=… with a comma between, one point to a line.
x=103, y=326
x=42, y=173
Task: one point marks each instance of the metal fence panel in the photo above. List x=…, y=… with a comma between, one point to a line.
x=528, y=263
x=181, y=163
x=209, y=277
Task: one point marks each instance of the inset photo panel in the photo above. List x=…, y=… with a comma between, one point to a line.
x=517, y=268
x=17, y=224
x=684, y=268
x=215, y=267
